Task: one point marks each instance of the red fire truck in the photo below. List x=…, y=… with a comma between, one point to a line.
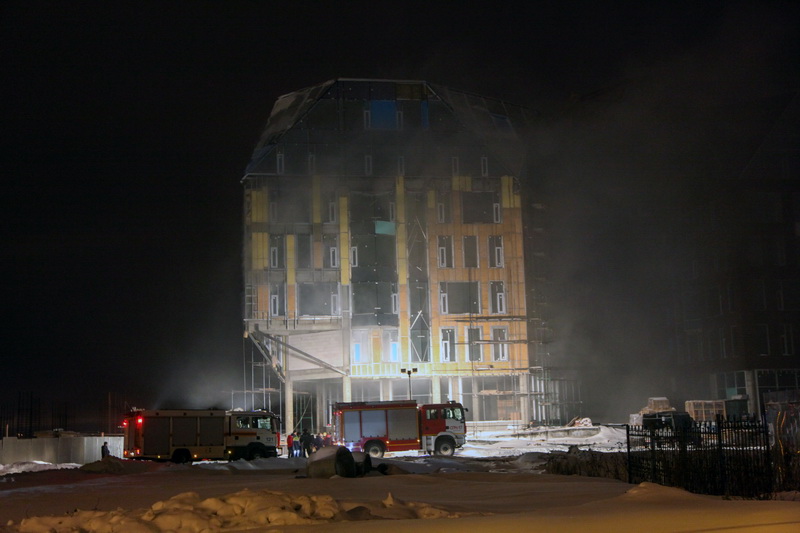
x=186, y=435
x=393, y=426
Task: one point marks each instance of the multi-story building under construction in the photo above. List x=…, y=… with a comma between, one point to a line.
x=383, y=252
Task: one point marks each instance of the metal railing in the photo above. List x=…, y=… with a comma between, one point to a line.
x=724, y=457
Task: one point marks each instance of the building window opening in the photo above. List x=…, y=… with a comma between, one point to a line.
x=330, y=244
x=499, y=346
x=459, y=297
x=498, y=297
x=448, y=347
x=276, y=251
x=473, y=344
x=496, y=259
x=471, y=251
x=445, y=251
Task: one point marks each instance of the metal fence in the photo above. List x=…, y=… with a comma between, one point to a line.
x=724, y=457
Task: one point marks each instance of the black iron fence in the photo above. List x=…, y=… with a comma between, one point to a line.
x=724, y=457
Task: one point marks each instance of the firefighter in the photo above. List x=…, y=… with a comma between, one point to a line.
x=307, y=442
x=289, y=444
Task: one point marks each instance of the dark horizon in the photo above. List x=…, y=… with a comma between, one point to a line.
x=129, y=128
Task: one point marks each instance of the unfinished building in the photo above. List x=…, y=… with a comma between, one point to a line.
x=383, y=253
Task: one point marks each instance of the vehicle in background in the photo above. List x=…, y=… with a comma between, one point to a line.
x=379, y=427
x=186, y=435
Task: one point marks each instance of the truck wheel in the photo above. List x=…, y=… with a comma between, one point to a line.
x=256, y=452
x=445, y=446
x=181, y=456
x=374, y=449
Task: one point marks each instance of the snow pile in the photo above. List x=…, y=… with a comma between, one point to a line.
x=504, y=443
x=283, y=463
x=113, y=465
x=242, y=510
x=32, y=466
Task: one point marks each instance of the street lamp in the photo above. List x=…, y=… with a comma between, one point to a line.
x=408, y=371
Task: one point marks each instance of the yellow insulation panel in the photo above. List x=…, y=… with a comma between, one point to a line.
x=291, y=259
x=260, y=250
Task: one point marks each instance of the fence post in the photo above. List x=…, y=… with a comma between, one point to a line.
x=723, y=477
x=770, y=455
x=653, y=455
x=628, y=441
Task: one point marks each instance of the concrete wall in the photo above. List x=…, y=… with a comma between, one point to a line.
x=80, y=450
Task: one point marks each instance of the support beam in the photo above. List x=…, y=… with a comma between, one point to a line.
x=304, y=355
x=275, y=364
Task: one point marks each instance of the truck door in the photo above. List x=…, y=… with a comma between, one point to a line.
x=432, y=421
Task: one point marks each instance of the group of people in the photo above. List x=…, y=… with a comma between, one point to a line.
x=305, y=443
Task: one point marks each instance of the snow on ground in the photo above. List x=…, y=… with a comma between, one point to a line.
x=492, y=483
x=31, y=466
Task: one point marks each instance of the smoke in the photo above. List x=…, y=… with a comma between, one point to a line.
x=617, y=165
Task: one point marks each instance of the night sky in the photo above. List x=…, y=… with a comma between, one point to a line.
x=127, y=127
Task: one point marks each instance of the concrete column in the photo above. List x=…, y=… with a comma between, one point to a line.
x=347, y=392
x=436, y=390
x=386, y=390
x=455, y=389
x=288, y=401
x=475, y=401
x=525, y=398
x=321, y=407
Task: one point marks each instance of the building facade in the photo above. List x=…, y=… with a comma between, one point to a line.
x=383, y=252
x=737, y=289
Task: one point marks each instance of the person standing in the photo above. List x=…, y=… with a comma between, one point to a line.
x=104, y=452
x=289, y=445
x=296, y=445
x=307, y=441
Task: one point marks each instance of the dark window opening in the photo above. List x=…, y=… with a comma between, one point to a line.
x=459, y=297
x=478, y=207
x=304, y=251
x=318, y=299
x=471, y=251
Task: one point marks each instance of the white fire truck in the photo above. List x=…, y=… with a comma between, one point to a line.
x=379, y=427
x=186, y=435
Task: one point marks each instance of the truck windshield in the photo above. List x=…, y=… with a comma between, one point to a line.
x=454, y=412
x=264, y=422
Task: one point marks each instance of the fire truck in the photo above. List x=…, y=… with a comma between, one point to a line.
x=186, y=435
x=379, y=427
